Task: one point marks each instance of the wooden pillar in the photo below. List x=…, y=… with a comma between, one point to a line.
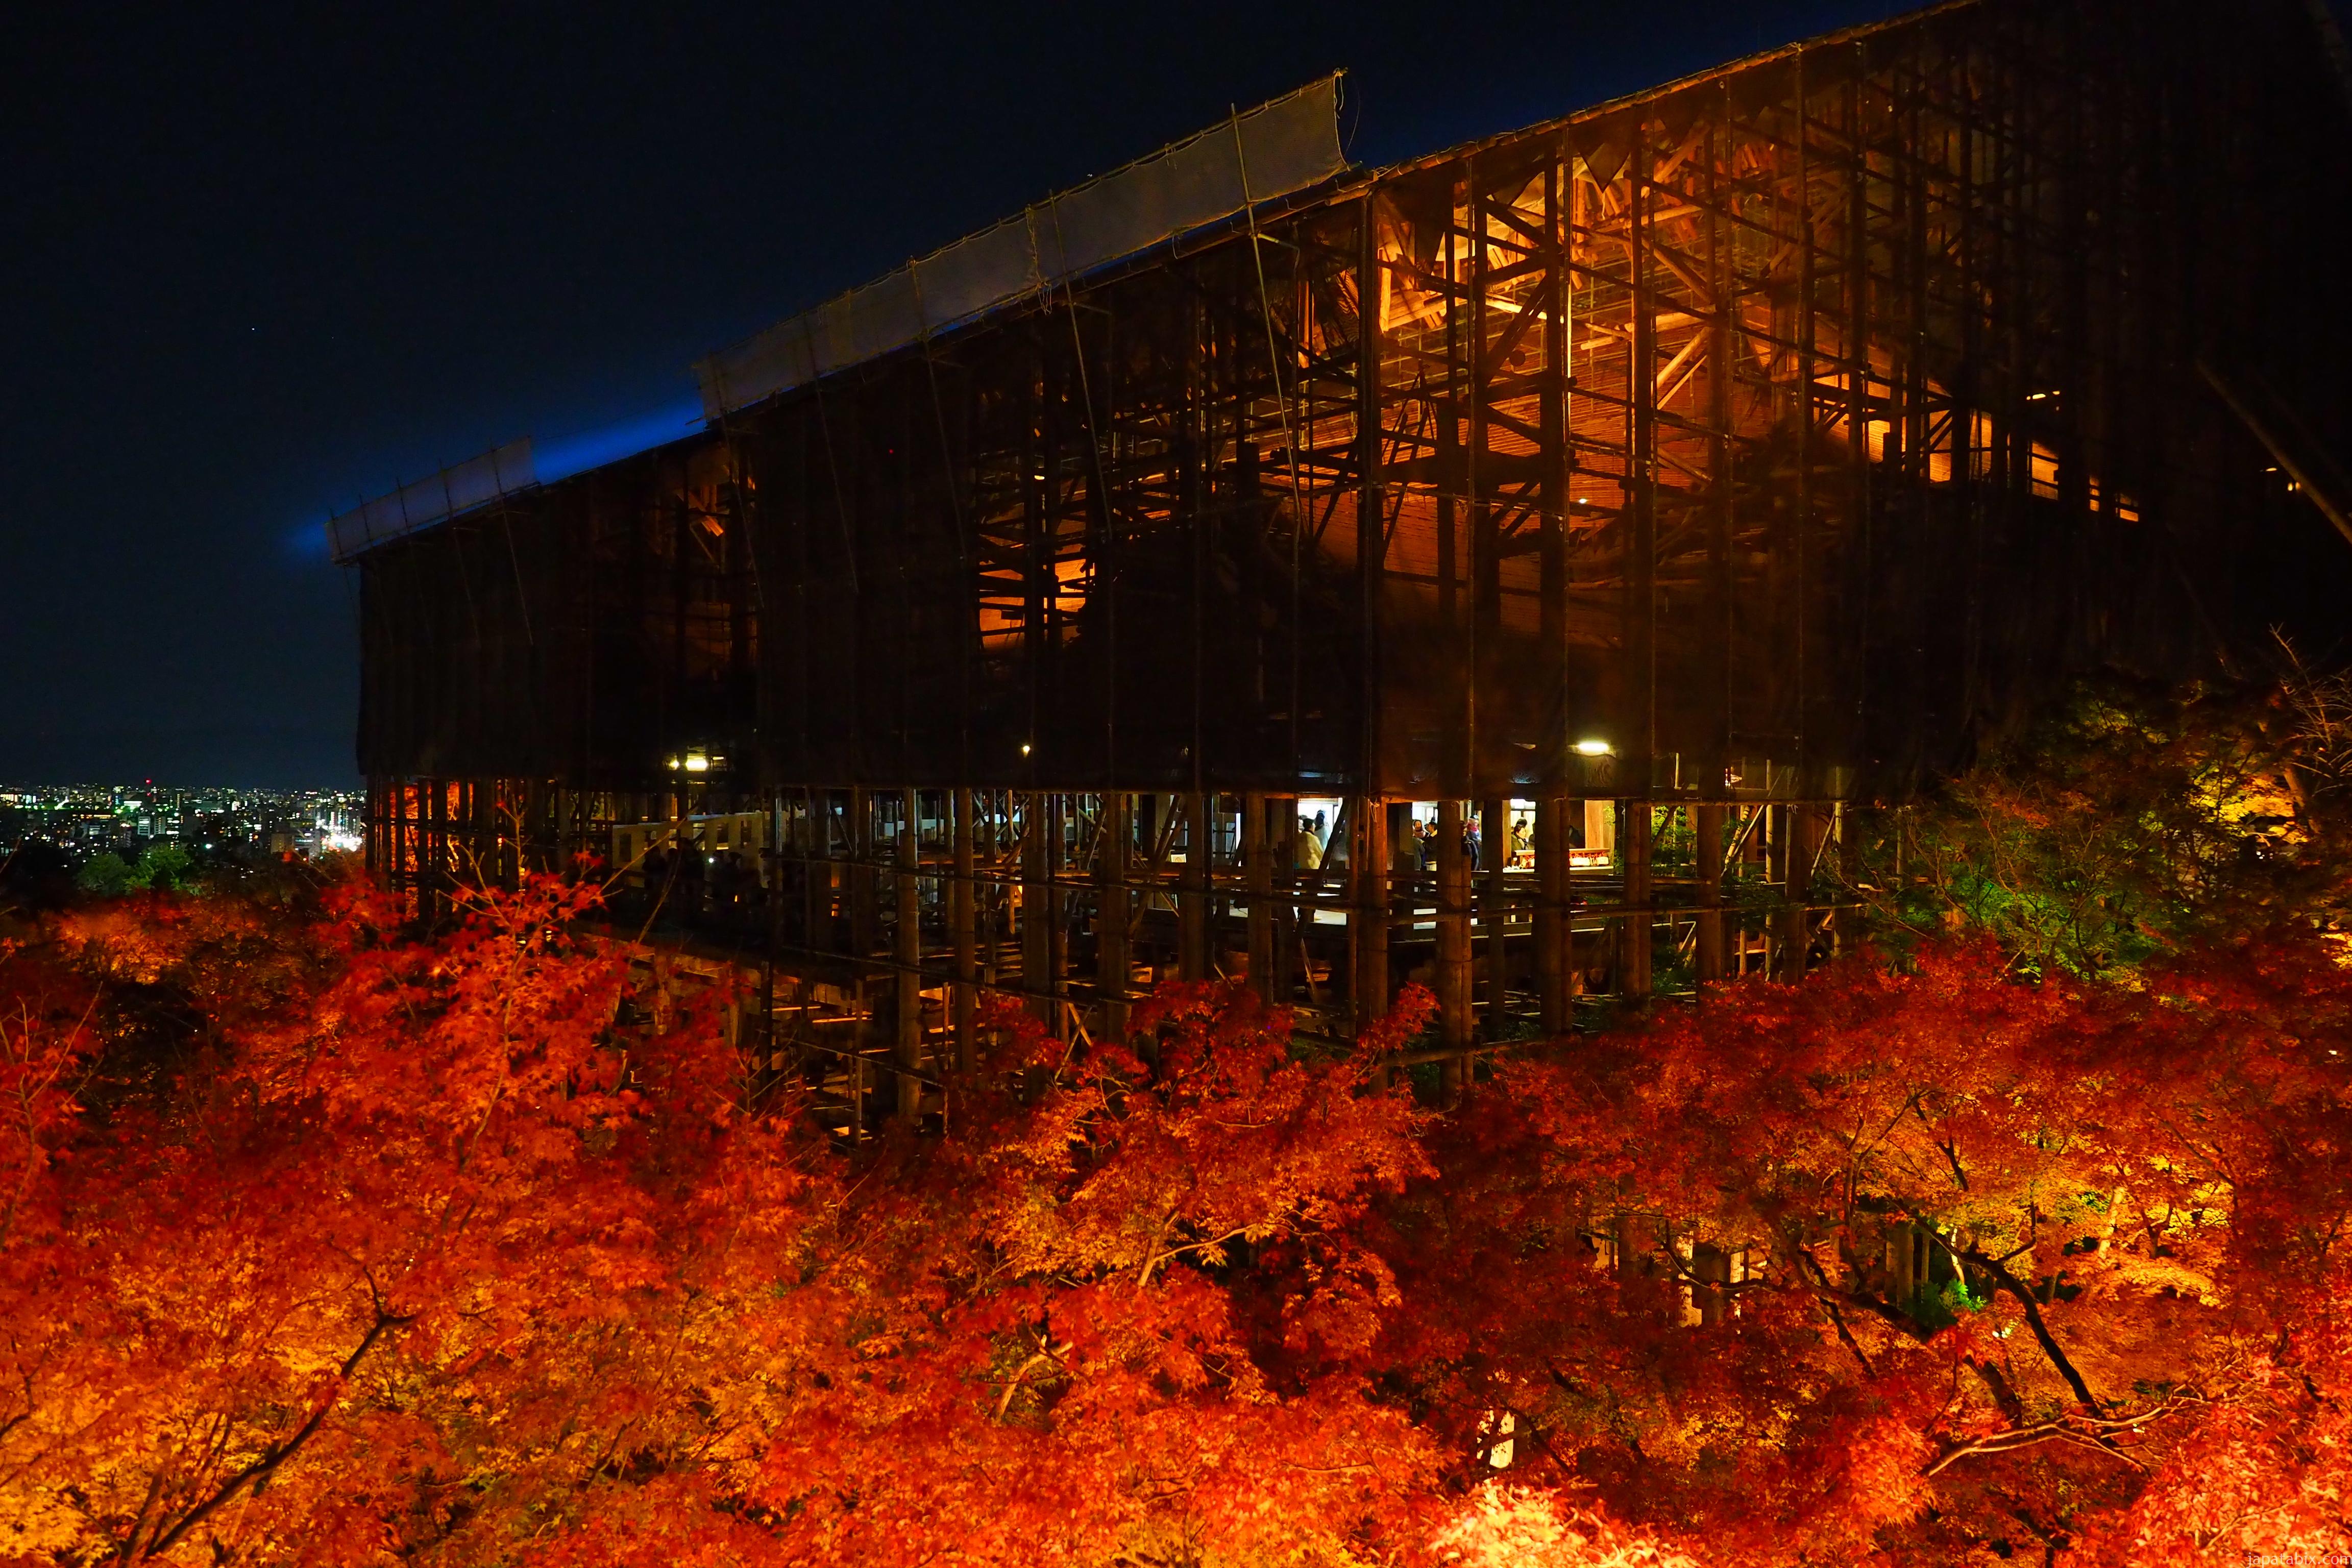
x=864, y=913
x=772, y=863
x=907, y=1038
x=1641, y=1277
x=962, y=931
x=1058, y=808
x=1706, y=848
x=864, y=916
x=1113, y=973
x=1037, y=892
x=1257, y=870
x=1453, y=947
x=1808, y=826
x=1745, y=824
x=1552, y=914
x=1192, y=895
x=435, y=832
x=1368, y=945
x=1282, y=844
x=1493, y=853
x=1368, y=949
x=1151, y=819
x=807, y=847
x=1847, y=920
x=1906, y=1264
x=1633, y=847
x=1710, y=1298
x=1000, y=941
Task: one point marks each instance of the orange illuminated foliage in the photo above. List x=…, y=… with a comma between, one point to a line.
x=321, y=1243
x=1994, y=1269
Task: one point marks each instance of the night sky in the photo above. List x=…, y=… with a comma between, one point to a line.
x=259, y=268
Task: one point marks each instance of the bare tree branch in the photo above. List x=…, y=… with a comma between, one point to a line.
x=270, y=1459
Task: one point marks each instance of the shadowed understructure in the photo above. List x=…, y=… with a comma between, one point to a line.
x=1643, y=492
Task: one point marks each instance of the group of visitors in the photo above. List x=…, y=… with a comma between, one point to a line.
x=1307, y=848
x=1418, y=850
x=691, y=883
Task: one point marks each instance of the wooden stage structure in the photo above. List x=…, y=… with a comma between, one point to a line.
x=1649, y=490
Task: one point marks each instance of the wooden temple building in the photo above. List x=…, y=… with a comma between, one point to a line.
x=1643, y=492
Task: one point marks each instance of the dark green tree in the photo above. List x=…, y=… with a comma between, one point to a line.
x=2129, y=824
x=165, y=867
x=106, y=874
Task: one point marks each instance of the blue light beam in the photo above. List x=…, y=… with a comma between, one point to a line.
x=561, y=457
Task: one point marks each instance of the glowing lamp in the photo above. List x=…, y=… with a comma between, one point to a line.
x=1592, y=748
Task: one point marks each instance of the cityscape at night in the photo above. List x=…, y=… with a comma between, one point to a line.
x=83, y=821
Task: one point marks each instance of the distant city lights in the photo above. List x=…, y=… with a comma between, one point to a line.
x=85, y=821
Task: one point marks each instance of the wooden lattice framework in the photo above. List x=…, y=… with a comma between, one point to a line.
x=1692, y=471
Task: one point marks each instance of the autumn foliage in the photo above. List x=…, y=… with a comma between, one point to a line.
x=323, y=1242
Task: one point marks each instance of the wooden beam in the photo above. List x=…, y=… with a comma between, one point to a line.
x=1495, y=853
x=1452, y=948
x=907, y=1035
x=1706, y=838
x=1113, y=969
x=1368, y=920
x=962, y=932
x=1552, y=913
x=1258, y=871
x=1192, y=895
x=1633, y=843
x=1036, y=895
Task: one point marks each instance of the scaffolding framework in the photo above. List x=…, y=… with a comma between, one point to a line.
x=1685, y=474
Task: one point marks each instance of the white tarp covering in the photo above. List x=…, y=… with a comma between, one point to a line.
x=476, y=482
x=1279, y=147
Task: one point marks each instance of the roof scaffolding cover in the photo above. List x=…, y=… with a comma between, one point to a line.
x=1286, y=145
x=477, y=481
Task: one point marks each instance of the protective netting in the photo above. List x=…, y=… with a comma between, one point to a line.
x=477, y=481
x=1284, y=145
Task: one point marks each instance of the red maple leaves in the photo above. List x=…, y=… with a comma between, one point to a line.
x=317, y=1243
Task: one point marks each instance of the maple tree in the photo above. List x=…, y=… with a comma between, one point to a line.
x=2128, y=822
x=323, y=1240
x=421, y=1252
x=1987, y=1265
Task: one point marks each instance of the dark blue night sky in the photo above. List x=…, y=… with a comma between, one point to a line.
x=262, y=267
